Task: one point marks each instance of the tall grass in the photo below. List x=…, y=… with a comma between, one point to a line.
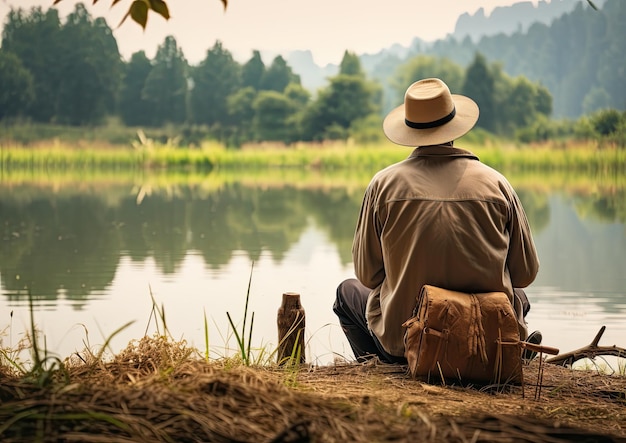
x=58, y=157
x=546, y=158
x=330, y=156
x=43, y=367
x=244, y=347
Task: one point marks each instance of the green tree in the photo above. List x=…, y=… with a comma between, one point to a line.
x=543, y=100
x=166, y=85
x=350, y=64
x=240, y=107
x=607, y=121
x=134, y=109
x=34, y=37
x=272, y=114
x=612, y=59
x=300, y=97
x=278, y=76
x=480, y=86
x=347, y=99
x=16, y=86
x=90, y=71
x=253, y=71
x=217, y=77
x=522, y=103
x=298, y=94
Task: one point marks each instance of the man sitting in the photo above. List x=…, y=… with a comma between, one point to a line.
x=440, y=217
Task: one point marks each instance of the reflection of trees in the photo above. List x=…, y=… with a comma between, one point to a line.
x=579, y=254
x=336, y=212
x=608, y=207
x=537, y=208
x=131, y=226
x=279, y=217
x=212, y=235
x=73, y=242
x=238, y=218
x=161, y=227
x=57, y=244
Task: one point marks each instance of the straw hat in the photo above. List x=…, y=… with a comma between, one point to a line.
x=430, y=115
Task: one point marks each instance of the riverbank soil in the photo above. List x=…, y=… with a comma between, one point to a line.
x=159, y=391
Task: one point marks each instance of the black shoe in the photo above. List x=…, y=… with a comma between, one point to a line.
x=534, y=338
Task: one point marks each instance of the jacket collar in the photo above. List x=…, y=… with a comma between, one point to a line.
x=441, y=151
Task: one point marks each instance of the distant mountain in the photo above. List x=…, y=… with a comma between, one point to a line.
x=510, y=19
x=503, y=19
x=580, y=57
x=369, y=61
x=556, y=43
x=314, y=77
x=311, y=75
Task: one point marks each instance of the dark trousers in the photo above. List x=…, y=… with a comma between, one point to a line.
x=350, y=306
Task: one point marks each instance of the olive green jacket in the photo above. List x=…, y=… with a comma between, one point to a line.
x=440, y=217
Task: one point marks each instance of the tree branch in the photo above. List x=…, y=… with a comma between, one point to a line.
x=590, y=351
x=138, y=10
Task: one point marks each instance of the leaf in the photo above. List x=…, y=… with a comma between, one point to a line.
x=138, y=11
x=160, y=7
x=592, y=5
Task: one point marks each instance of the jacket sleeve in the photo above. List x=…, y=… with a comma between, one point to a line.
x=522, y=260
x=366, y=247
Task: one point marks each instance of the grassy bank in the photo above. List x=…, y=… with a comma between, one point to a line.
x=329, y=156
x=161, y=391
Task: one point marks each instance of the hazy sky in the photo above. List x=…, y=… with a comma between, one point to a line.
x=326, y=27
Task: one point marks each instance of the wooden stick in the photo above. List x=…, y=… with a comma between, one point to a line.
x=291, y=326
x=539, y=348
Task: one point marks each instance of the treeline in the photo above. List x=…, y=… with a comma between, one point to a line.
x=580, y=57
x=72, y=73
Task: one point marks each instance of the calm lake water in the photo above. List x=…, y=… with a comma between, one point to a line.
x=96, y=253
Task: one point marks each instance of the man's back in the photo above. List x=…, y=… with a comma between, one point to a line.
x=441, y=218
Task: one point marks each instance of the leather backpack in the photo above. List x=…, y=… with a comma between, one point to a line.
x=463, y=337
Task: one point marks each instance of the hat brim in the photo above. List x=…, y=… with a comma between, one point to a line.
x=397, y=131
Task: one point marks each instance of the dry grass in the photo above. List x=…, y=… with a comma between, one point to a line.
x=160, y=391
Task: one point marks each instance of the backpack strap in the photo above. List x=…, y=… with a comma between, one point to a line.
x=476, y=331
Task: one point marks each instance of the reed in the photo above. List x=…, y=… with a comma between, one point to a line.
x=44, y=368
x=206, y=337
x=244, y=347
x=148, y=155
x=547, y=158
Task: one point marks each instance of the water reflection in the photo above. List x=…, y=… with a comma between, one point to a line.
x=82, y=243
x=62, y=241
